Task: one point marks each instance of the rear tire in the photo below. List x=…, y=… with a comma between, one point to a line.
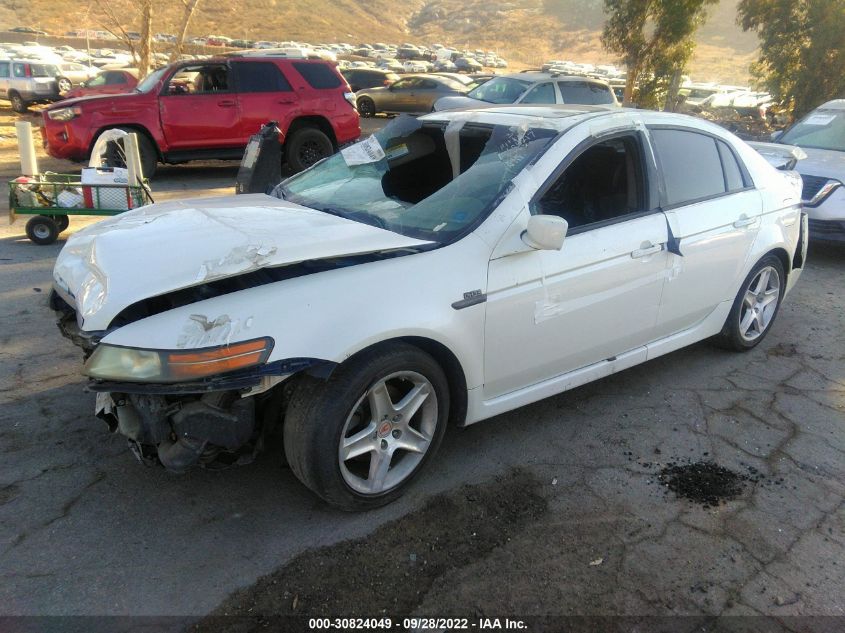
x=756, y=306
x=18, y=104
x=359, y=438
x=62, y=222
x=42, y=230
x=307, y=146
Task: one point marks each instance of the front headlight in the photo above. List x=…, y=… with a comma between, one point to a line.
x=64, y=114
x=110, y=362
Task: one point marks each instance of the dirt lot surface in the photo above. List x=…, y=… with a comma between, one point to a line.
x=564, y=507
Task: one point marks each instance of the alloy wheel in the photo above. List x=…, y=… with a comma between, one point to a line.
x=759, y=304
x=310, y=153
x=388, y=432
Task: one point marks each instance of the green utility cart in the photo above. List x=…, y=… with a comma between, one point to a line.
x=51, y=198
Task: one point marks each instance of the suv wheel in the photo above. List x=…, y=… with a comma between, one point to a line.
x=306, y=147
x=116, y=157
x=360, y=437
x=18, y=104
x=64, y=84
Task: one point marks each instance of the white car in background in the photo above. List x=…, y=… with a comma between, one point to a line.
x=447, y=269
x=820, y=159
x=72, y=74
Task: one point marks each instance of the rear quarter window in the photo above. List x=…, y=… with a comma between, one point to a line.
x=318, y=76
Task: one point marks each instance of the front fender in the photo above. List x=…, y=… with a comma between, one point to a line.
x=334, y=314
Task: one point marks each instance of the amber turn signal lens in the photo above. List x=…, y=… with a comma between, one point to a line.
x=219, y=360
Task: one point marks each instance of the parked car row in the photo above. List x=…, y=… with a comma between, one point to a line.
x=444, y=91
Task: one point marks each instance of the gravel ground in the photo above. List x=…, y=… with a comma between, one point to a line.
x=559, y=508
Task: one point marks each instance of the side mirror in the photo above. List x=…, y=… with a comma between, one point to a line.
x=545, y=232
x=776, y=135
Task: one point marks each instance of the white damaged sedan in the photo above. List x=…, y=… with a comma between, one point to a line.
x=446, y=270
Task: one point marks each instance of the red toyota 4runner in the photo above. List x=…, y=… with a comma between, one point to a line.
x=208, y=109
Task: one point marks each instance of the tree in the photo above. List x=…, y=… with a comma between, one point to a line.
x=189, y=6
x=115, y=17
x=802, y=49
x=654, y=39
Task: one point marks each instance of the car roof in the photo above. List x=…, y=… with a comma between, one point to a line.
x=563, y=116
x=538, y=75
x=556, y=117
x=835, y=104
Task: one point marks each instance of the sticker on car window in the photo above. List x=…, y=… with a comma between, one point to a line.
x=368, y=151
x=819, y=119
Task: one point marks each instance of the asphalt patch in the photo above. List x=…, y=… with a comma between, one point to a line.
x=703, y=482
x=391, y=570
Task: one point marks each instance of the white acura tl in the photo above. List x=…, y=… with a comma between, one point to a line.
x=448, y=269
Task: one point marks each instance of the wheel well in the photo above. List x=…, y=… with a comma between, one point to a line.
x=454, y=374
x=140, y=129
x=783, y=256
x=448, y=362
x=318, y=122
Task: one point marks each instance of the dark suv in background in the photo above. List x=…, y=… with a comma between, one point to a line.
x=208, y=109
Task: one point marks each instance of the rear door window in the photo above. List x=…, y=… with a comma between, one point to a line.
x=260, y=77
x=691, y=165
x=114, y=79
x=4, y=69
x=585, y=93
x=18, y=70
x=318, y=75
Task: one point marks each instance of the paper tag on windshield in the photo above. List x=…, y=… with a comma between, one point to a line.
x=368, y=151
x=819, y=119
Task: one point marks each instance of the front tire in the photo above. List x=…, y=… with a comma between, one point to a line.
x=62, y=222
x=358, y=439
x=64, y=84
x=366, y=107
x=756, y=306
x=116, y=156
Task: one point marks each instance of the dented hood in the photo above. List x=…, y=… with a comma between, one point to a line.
x=172, y=245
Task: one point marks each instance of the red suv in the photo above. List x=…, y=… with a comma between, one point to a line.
x=208, y=109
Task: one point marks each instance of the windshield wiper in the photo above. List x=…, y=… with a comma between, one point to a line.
x=355, y=216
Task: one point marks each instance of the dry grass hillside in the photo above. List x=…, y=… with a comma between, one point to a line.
x=525, y=31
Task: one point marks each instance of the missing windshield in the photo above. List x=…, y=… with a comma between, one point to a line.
x=429, y=180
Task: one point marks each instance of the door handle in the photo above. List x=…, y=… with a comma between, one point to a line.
x=286, y=101
x=226, y=103
x=744, y=220
x=645, y=251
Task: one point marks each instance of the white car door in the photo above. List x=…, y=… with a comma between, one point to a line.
x=714, y=212
x=551, y=312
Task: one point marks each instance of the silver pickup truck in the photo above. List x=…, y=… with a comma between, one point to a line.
x=24, y=82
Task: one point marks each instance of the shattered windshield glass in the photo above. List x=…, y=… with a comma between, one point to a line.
x=429, y=180
x=821, y=129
